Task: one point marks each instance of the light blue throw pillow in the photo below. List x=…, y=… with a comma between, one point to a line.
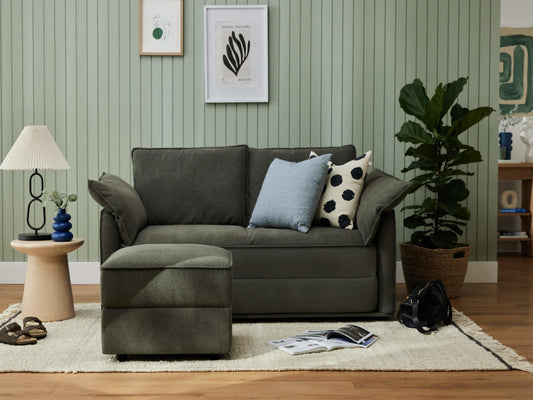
x=290, y=194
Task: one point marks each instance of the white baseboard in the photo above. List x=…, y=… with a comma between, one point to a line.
x=89, y=272
x=477, y=272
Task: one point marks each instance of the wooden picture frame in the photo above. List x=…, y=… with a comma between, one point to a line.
x=161, y=27
x=236, y=54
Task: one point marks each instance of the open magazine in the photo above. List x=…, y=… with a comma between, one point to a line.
x=315, y=341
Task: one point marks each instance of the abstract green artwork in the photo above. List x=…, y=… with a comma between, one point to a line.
x=516, y=71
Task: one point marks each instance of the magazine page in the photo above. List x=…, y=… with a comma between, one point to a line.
x=354, y=333
x=302, y=346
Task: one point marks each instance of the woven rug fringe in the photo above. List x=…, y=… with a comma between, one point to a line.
x=506, y=353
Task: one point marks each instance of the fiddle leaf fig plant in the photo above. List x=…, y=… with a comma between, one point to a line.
x=439, y=157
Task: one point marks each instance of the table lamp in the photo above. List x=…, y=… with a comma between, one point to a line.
x=35, y=149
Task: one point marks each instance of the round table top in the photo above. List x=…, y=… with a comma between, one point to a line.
x=46, y=247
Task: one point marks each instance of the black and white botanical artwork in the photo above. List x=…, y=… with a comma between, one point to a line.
x=237, y=51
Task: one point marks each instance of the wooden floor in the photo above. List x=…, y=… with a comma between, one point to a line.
x=504, y=310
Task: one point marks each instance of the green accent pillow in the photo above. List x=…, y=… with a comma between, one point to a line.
x=382, y=193
x=122, y=201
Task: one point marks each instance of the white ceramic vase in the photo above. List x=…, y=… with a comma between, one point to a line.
x=526, y=134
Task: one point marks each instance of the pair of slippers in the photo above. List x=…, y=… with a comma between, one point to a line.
x=13, y=334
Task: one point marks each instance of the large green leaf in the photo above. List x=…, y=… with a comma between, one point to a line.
x=415, y=221
x=451, y=93
x=413, y=99
x=468, y=156
x=425, y=151
x=412, y=132
x=450, y=206
x=458, y=112
x=471, y=118
x=455, y=190
x=432, y=113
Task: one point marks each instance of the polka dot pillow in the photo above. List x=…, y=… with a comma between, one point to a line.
x=343, y=188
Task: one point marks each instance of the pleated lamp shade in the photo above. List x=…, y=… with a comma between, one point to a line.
x=35, y=148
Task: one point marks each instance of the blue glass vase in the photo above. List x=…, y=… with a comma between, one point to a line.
x=506, y=141
x=62, y=227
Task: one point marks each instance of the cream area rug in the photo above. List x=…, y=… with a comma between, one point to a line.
x=74, y=346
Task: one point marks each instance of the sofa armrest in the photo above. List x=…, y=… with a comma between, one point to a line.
x=381, y=193
x=120, y=199
x=109, y=235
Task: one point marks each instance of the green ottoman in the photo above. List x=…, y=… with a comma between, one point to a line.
x=167, y=299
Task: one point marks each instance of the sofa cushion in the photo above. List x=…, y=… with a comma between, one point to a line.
x=216, y=235
x=230, y=236
x=382, y=193
x=192, y=186
x=260, y=160
x=304, y=262
x=290, y=194
x=340, y=199
x=122, y=201
x=164, y=275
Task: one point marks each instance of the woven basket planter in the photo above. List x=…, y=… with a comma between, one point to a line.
x=449, y=265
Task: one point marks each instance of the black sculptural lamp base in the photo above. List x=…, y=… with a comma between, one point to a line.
x=33, y=236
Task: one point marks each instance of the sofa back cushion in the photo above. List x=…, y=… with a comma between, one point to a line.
x=260, y=159
x=192, y=185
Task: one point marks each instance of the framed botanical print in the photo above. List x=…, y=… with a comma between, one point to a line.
x=236, y=54
x=161, y=27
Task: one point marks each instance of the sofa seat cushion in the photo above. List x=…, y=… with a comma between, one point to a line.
x=164, y=275
x=216, y=235
x=192, y=185
x=317, y=236
x=231, y=236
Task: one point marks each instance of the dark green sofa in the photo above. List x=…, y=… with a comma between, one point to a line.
x=206, y=196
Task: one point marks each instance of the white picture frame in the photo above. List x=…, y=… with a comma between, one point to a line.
x=236, y=54
x=161, y=27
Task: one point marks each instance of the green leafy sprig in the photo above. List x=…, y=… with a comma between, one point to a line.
x=60, y=200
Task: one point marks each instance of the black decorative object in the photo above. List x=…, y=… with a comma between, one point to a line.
x=35, y=235
x=233, y=59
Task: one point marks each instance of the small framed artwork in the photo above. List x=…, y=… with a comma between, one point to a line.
x=236, y=54
x=161, y=27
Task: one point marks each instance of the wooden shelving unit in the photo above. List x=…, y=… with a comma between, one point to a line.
x=524, y=173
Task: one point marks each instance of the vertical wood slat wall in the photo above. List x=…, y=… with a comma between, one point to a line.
x=335, y=71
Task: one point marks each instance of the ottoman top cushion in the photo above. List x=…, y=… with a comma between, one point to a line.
x=169, y=256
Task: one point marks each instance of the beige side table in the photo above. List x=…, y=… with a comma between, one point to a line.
x=47, y=290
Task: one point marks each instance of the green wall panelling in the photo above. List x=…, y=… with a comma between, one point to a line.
x=335, y=71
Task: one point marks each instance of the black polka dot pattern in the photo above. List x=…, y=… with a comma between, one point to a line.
x=329, y=206
x=348, y=195
x=344, y=221
x=340, y=198
x=324, y=222
x=357, y=173
x=336, y=180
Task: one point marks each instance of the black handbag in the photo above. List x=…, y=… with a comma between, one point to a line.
x=426, y=307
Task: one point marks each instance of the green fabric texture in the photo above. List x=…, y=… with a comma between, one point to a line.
x=165, y=275
x=192, y=186
x=230, y=236
x=382, y=193
x=304, y=262
x=260, y=160
x=305, y=296
x=118, y=198
x=184, y=330
x=167, y=299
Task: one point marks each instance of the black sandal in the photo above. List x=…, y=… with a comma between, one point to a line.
x=34, y=327
x=13, y=334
